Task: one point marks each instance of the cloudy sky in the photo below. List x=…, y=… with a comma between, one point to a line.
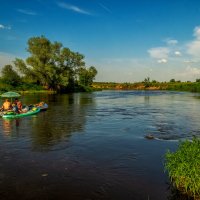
x=126, y=41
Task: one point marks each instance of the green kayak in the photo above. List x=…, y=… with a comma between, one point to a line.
x=10, y=115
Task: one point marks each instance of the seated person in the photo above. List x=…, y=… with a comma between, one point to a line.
x=40, y=104
x=17, y=106
x=6, y=105
x=25, y=109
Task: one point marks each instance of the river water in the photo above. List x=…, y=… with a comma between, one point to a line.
x=93, y=146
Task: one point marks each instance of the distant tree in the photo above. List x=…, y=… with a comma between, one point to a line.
x=10, y=76
x=147, y=82
x=154, y=81
x=172, y=80
x=198, y=80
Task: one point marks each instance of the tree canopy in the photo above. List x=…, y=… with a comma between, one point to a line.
x=10, y=76
x=54, y=66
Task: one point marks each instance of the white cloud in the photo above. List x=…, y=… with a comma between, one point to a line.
x=190, y=61
x=190, y=73
x=197, y=32
x=171, y=41
x=26, y=12
x=162, y=60
x=73, y=8
x=177, y=53
x=4, y=27
x=194, y=48
x=193, y=70
x=159, y=52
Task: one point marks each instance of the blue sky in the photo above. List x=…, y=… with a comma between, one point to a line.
x=126, y=41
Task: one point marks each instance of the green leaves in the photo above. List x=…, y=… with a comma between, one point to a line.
x=52, y=65
x=183, y=167
x=10, y=76
x=86, y=76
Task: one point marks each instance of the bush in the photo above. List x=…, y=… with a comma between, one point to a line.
x=29, y=86
x=5, y=87
x=183, y=167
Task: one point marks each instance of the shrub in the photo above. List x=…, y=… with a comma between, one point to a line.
x=183, y=167
x=5, y=87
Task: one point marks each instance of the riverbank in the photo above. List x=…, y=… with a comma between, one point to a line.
x=153, y=85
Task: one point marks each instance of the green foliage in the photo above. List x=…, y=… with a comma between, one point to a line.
x=184, y=86
x=10, y=76
x=5, y=87
x=86, y=76
x=147, y=82
x=183, y=167
x=83, y=88
x=198, y=80
x=29, y=86
x=172, y=80
x=53, y=66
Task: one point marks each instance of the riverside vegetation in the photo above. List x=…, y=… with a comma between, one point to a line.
x=50, y=66
x=183, y=167
x=151, y=85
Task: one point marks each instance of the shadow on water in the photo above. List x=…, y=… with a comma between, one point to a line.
x=66, y=116
x=92, y=146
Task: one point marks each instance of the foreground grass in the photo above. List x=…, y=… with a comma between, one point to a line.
x=183, y=167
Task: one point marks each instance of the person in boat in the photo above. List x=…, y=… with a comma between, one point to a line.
x=6, y=105
x=40, y=104
x=17, y=106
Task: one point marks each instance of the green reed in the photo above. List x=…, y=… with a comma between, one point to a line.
x=183, y=167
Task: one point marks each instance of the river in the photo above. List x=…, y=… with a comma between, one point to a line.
x=92, y=146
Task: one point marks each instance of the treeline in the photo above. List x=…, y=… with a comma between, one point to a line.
x=50, y=66
x=147, y=84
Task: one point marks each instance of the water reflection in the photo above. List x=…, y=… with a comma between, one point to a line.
x=6, y=127
x=146, y=99
x=9, y=126
x=67, y=114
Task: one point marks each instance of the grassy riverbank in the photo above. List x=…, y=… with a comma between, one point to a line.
x=153, y=85
x=148, y=85
x=183, y=167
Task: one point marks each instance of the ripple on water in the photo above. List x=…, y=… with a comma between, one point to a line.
x=86, y=146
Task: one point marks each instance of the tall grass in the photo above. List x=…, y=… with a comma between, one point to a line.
x=183, y=167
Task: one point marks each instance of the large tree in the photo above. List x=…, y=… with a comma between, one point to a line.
x=51, y=64
x=9, y=75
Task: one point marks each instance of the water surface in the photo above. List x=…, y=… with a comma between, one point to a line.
x=93, y=145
